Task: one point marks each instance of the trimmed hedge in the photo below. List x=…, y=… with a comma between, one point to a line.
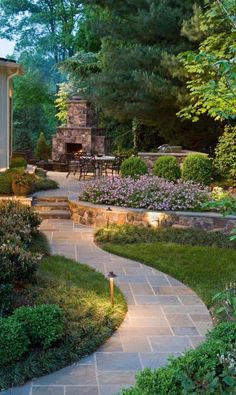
x=197, y=168
x=133, y=167
x=209, y=369
x=167, y=167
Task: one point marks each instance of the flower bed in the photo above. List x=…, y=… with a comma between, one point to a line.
x=147, y=192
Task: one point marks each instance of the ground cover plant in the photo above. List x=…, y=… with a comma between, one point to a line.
x=129, y=234
x=148, y=192
x=204, y=269
x=52, y=311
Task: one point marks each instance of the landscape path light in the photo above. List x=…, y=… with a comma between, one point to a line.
x=111, y=277
x=108, y=216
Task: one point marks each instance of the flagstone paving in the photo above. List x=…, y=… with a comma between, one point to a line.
x=164, y=318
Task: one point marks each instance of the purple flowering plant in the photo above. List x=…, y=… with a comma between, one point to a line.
x=149, y=192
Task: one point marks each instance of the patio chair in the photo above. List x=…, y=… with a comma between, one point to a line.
x=112, y=166
x=73, y=167
x=87, y=165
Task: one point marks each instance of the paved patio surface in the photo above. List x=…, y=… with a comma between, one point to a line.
x=164, y=318
x=69, y=187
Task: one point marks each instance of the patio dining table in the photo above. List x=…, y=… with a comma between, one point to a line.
x=100, y=161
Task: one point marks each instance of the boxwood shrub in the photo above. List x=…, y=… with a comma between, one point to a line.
x=209, y=369
x=167, y=167
x=197, y=168
x=13, y=341
x=43, y=325
x=133, y=167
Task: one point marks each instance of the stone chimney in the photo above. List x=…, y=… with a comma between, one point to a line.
x=80, y=113
x=81, y=133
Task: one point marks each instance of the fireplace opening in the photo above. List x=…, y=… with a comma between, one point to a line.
x=72, y=148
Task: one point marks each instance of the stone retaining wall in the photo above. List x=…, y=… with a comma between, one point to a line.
x=98, y=215
x=23, y=200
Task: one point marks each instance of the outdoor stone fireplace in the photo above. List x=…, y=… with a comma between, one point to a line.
x=81, y=133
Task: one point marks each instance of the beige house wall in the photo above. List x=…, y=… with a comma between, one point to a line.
x=8, y=70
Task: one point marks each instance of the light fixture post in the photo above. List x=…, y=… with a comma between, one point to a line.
x=111, y=277
x=108, y=216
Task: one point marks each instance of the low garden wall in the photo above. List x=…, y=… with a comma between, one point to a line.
x=151, y=157
x=99, y=215
x=21, y=199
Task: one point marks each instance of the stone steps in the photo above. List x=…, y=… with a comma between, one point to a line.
x=52, y=207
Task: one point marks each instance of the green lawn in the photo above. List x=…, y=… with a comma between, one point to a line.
x=204, y=269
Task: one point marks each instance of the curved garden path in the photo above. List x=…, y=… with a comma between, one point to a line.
x=164, y=318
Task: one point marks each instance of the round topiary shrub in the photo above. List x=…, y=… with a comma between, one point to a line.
x=225, y=152
x=13, y=341
x=197, y=168
x=167, y=167
x=43, y=324
x=133, y=167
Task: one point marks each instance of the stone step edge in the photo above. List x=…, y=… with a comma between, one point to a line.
x=55, y=214
x=49, y=199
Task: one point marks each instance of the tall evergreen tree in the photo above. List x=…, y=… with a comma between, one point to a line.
x=135, y=76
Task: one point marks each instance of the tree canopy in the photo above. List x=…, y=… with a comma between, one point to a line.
x=212, y=68
x=149, y=67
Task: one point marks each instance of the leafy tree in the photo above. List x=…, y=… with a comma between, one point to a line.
x=42, y=24
x=61, y=103
x=211, y=69
x=135, y=77
x=46, y=32
x=42, y=151
x=33, y=101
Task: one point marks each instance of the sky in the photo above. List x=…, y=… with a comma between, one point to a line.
x=6, y=47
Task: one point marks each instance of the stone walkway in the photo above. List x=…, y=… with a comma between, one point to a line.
x=69, y=187
x=164, y=318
